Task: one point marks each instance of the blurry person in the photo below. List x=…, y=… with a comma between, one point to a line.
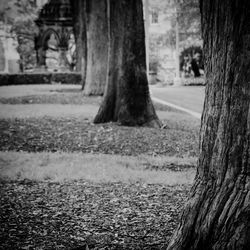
x=186, y=65
x=196, y=65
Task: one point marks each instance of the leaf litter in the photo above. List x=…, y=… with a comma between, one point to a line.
x=80, y=135
x=76, y=214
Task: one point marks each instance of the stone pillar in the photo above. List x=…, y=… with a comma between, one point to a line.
x=41, y=57
x=40, y=54
x=63, y=61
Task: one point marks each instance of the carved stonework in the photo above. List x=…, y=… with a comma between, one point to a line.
x=55, y=21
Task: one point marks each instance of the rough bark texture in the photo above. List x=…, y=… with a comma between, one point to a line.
x=79, y=18
x=97, y=44
x=126, y=98
x=217, y=215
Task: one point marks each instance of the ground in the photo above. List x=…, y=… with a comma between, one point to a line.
x=67, y=183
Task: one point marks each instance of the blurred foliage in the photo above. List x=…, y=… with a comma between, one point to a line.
x=188, y=19
x=12, y=9
x=19, y=15
x=25, y=30
x=187, y=13
x=191, y=51
x=190, y=24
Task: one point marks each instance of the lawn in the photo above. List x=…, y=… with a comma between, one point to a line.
x=67, y=183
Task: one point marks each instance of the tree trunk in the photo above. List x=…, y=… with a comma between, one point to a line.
x=217, y=215
x=97, y=44
x=126, y=98
x=79, y=19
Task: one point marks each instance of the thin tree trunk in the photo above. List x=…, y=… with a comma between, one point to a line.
x=97, y=44
x=217, y=215
x=126, y=98
x=79, y=19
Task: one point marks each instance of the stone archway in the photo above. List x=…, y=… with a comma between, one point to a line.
x=50, y=44
x=55, y=18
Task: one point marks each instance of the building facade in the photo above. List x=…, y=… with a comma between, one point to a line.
x=9, y=57
x=161, y=52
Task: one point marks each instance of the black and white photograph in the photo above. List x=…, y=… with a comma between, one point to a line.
x=124, y=124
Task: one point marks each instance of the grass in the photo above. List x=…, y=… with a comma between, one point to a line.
x=96, y=168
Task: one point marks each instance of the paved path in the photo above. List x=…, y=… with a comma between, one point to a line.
x=187, y=98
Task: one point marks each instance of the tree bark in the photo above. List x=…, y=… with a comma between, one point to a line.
x=217, y=215
x=97, y=44
x=126, y=98
x=80, y=33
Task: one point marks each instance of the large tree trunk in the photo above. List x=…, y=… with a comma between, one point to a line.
x=126, y=98
x=97, y=44
x=79, y=19
x=217, y=215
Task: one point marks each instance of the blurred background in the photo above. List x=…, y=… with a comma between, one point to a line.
x=37, y=35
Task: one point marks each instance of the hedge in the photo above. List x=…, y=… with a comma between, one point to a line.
x=40, y=78
x=193, y=81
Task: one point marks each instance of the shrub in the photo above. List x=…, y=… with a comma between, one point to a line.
x=39, y=78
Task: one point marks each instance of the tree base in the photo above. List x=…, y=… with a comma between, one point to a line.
x=156, y=123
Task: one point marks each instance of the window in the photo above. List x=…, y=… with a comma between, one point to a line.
x=154, y=17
